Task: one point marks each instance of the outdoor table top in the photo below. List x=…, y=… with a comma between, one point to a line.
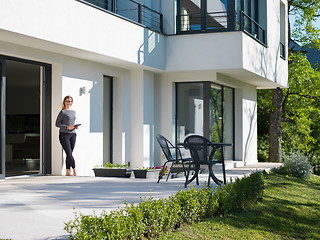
x=220, y=144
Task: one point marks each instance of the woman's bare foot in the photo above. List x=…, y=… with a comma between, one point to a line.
x=68, y=172
x=74, y=172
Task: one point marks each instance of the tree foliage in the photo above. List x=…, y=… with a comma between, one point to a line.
x=304, y=29
x=300, y=113
x=300, y=105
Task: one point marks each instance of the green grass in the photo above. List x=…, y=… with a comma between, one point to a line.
x=290, y=209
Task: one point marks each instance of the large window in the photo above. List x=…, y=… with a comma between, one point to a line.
x=195, y=15
x=251, y=18
x=222, y=15
x=206, y=109
x=134, y=10
x=105, y=4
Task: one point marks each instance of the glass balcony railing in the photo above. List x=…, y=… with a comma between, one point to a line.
x=133, y=11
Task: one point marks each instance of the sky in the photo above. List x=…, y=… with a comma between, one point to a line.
x=291, y=19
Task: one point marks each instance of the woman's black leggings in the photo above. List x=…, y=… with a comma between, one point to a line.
x=68, y=141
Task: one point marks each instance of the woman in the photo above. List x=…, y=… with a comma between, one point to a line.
x=67, y=134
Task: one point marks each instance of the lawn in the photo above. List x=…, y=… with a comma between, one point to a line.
x=290, y=209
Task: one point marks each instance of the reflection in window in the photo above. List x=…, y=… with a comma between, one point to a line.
x=216, y=14
x=206, y=109
x=215, y=117
x=105, y=4
x=190, y=110
x=198, y=15
x=190, y=15
x=216, y=113
x=228, y=121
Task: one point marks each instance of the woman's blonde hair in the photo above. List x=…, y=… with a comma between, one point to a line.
x=64, y=100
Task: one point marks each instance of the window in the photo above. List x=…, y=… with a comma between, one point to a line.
x=202, y=15
x=105, y=4
x=249, y=16
x=282, y=30
x=205, y=109
x=132, y=10
x=249, y=19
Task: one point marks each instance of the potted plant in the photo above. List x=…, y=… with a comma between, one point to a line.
x=112, y=170
x=150, y=172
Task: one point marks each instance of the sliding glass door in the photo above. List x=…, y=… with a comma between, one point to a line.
x=25, y=121
x=205, y=109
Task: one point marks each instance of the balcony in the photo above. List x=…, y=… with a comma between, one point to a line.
x=220, y=22
x=133, y=11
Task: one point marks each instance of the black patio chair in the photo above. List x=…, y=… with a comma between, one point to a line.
x=202, y=151
x=169, y=150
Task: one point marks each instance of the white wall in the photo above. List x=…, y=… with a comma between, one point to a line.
x=76, y=25
x=249, y=125
x=148, y=119
x=68, y=76
x=119, y=42
x=232, y=53
x=136, y=118
x=267, y=62
x=141, y=119
x=169, y=11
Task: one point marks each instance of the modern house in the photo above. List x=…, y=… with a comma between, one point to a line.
x=135, y=68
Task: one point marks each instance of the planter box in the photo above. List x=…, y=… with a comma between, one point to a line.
x=150, y=174
x=111, y=172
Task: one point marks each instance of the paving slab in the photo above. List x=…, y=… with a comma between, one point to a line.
x=38, y=207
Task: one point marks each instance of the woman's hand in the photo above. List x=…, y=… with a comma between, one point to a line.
x=70, y=127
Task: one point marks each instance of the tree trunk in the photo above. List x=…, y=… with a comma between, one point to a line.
x=275, y=128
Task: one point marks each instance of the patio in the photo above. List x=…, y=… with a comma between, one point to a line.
x=38, y=207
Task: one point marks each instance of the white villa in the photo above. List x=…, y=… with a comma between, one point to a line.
x=135, y=69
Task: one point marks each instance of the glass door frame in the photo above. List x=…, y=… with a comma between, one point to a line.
x=203, y=16
x=206, y=111
x=46, y=109
x=2, y=117
x=206, y=106
x=231, y=18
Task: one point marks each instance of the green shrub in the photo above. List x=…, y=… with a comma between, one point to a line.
x=151, y=217
x=239, y=195
x=113, y=165
x=263, y=148
x=297, y=165
x=194, y=204
x=158, y=215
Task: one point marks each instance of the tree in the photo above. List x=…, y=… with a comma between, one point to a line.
x=304, y=32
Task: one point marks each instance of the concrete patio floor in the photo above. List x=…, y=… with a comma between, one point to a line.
x=37, y=207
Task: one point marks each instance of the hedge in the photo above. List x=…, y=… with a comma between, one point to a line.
x=151, y=216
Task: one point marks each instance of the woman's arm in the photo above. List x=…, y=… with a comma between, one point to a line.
x=59, y=121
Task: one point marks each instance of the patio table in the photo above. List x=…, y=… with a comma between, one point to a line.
x=197, y=163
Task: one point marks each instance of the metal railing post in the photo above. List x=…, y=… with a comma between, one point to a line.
x=113, y=6
x=231, y=15
x=161, y=23
x=139, y=13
